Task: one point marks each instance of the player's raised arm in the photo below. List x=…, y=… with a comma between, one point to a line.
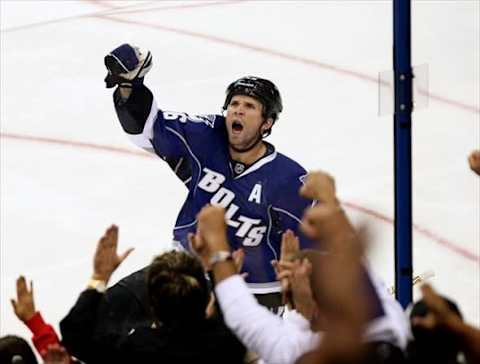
x=178, y=138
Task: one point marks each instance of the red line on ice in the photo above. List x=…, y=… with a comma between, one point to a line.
x=375, y=214
x=311, y=62
x=272, y=52
x=418, y=229
x=75, y=144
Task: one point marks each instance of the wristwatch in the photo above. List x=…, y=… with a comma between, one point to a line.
x=219, y=256
x=97, y=284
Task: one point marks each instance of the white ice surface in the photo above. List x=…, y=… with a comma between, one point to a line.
x=57, y=199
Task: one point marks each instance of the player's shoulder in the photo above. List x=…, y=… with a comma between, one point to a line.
x=288, y=167
x=287, y=171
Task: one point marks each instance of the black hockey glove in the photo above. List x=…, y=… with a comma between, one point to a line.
x=127, y=65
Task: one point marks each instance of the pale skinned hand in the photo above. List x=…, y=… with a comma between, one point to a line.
x=56, y=354
x=284, y=270
x=300, y=286
x=238, y=259
x=195, y=240
x=24, y=306
x=474, y=161
x=319, y=186
x=295, y=278
x=106, y=259
x=290, y=246
x=211, y=235
x=197, y=245
x=326, y=221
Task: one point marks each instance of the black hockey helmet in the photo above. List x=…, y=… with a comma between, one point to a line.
x=263, y=90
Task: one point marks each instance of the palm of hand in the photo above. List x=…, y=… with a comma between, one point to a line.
x=24, y=306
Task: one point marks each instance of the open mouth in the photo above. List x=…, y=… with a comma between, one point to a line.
x=237, y=127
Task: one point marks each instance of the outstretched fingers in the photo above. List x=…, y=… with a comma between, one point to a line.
x=238, y=258
x=125, y=254
x=106, y=259
x=290, y=245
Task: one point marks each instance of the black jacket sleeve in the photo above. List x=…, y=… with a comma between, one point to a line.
x=78, y=327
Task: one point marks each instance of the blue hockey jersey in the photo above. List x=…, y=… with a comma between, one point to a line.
x=261, y=203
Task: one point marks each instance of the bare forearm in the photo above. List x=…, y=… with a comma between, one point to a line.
x=223, y=270
x=125, y=92
x=305, y=308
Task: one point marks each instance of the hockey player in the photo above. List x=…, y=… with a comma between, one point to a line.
x=223, y=159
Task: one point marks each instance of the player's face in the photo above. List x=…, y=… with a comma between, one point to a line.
x=245, y=121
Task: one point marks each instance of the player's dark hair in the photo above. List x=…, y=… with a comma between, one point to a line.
x=177, y=289
x=15, y=350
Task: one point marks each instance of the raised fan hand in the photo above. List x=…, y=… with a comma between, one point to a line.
x=439, y=311
x=56, y=354
x=106, y=259
x=301, y=289
x=211, y=233
x=474, y=161
x=319, y=186
x=24, y=306
x=289, y=248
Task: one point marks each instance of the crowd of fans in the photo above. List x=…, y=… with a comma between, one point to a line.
x=197, y=309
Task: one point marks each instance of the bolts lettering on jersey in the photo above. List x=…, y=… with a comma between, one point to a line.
x=247, y=227
x=223, y=197
x=232, y=210
x=211, y=181
x=255, y=236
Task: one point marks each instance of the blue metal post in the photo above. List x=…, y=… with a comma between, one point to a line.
x=403, y=150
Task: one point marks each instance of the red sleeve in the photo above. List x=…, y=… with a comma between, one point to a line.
x=43, y=334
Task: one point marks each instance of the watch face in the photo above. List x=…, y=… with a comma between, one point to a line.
x=101, y=287
x=219, y=256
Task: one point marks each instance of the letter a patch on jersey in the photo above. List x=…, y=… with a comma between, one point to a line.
x=256, y=194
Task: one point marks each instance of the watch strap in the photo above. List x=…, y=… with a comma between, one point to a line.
x=97, y=284
x=219, y=256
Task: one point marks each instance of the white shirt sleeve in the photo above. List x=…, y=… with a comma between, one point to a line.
x=296, y=319
x=275, y=340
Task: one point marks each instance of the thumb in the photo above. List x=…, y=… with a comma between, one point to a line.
x=191, y=241
x=124, y=256
x=196, y=243
x=14, y=304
